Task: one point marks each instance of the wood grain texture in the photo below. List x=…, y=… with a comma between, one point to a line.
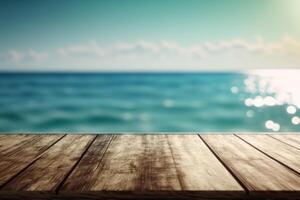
x=282, y=152
x=258, y=172
x=291, y=139
x=9, y=143
x=132, y=163
x=87, y=171
x=161, y=166
x=198, y=169
x=50, y=169
x=16, y=158
x=156, y=166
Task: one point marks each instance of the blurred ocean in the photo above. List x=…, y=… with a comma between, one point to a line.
x=143, y=102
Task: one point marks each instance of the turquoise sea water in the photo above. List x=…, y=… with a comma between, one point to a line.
x=145, y=102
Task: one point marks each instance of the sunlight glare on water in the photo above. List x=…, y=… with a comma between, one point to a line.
x=274, y=88
x=282, y=85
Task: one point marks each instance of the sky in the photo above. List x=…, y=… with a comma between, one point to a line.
x=149, y=35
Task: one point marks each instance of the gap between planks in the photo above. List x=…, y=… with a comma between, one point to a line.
x=262, y=161
x=75, y=165
x=31, y=163
x=269, y=155
x=201, y=139
x=285, y=142
x=224, y=164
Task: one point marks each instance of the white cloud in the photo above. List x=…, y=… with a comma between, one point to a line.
x=259, y=45
x=139, y=47
x=90, y=48
x=234, y=54
x=15, y=56
x=284, y=46
x=37, y=56
x=29, y=56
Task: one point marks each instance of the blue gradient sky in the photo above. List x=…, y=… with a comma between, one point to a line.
x=149, y=35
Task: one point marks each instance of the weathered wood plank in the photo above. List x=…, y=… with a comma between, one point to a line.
x=14, y=160
x=198, y=168
x=258, y=172
x=283, y=153
x=151, y=165
x=133, y=163
x=11, y=142
x=51, y=168
x=291, y=139
x=83, y=176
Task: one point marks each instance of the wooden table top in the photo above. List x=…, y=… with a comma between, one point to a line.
x=150, y=166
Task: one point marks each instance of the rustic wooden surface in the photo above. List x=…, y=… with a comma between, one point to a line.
x=150, y=166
